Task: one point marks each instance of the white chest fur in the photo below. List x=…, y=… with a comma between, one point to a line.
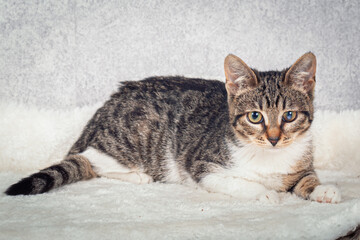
x=265, y=166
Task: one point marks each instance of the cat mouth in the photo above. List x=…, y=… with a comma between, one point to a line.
x=270, y=146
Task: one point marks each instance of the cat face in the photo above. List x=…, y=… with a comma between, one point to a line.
x=270, y=109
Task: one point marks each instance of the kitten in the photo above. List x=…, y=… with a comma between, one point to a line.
x=248, y=138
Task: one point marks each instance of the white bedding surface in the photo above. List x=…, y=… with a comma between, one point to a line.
x=31, y=139
x=111, y=209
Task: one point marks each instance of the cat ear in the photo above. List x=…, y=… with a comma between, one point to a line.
x=301, y=74
x=238, y=75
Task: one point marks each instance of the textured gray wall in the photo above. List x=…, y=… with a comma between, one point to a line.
x=59, y=54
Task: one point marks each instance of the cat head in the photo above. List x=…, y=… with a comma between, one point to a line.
x=270, y=109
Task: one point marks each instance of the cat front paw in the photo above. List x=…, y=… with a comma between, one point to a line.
x=326, y=194
x=270, y=196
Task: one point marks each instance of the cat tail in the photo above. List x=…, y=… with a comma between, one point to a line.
x=72, y=169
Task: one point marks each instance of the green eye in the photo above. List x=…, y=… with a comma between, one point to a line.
x=255, y=117
x=289, y=116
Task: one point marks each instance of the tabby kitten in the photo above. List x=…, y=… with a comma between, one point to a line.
x=248, y=138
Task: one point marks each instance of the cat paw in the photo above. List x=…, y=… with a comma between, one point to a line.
x=269, y=197
x=326, y=194
x=144, y=178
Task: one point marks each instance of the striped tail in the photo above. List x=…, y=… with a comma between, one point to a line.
x=74, y=168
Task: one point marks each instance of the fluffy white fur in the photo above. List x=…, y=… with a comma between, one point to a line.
x=253, y=170
x=336, y=137
x=31, y=139
x=103, y=163
x=174, y=175
x=107, y=166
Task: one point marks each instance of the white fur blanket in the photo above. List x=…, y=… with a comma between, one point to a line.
x=31, y=139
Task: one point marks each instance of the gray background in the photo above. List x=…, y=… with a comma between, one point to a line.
x=58, y=54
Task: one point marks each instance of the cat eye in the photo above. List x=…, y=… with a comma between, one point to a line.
x=255, y=117
x=289, y=116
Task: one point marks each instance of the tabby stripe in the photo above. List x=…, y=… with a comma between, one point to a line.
x=284, y=103
x=304, y=174
x=307, y=114
x=191, y=154
x=200, y=170
x=306, y=185
x=62, y=171
x=128, y=144
x=113, y=132
x=267, y=101
x=149, y=145
x=77, y=165
x=267, y=81
x=277, y=85
x=140, y=148
x=260, y=104
x=304, y=130
x=100, y=146
x=49, y=180
x=242, y=133
x=277, y=101
x=236, y=119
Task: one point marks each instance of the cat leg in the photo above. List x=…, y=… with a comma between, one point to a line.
x=107, y=166
x=132, y=177
x=239, y=188
x=309, y=187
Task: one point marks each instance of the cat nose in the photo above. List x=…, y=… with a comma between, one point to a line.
x=273, y=135
x=273, y=140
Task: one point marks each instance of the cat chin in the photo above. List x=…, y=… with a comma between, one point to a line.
x=274, y=149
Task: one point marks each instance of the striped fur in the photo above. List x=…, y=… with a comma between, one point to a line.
x=186, y=130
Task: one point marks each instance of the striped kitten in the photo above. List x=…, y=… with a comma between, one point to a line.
x=248, y=138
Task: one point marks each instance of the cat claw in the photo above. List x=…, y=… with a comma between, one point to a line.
x=326, y=194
